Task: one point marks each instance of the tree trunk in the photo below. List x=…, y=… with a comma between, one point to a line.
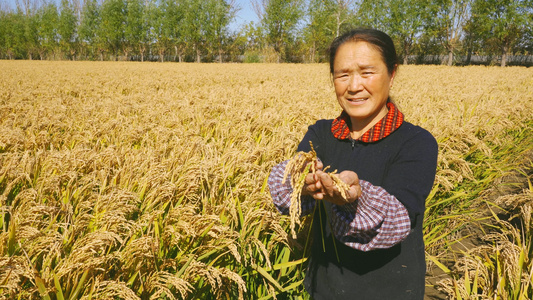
x=338, y=17
x=406, y=47
x=450, y=57
x=220, y=60
x=505, y=49
x=141, y=51
x=126, y=51
x=198, y=58
x=313, y=52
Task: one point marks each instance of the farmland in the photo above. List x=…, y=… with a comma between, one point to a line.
x=148, y=180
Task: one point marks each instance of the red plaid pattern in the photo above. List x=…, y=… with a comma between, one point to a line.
x=394, y=118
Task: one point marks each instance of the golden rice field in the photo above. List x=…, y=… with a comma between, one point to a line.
x=148, y=180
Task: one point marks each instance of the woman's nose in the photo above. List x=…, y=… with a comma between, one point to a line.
x=355, y=84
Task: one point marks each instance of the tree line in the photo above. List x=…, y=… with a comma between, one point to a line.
x=424, y=31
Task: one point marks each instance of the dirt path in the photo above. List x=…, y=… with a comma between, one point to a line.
x=512, y=184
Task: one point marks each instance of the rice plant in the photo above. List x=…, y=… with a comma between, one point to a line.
x=139, y=181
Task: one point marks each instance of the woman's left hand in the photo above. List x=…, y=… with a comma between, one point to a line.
x=330, y=193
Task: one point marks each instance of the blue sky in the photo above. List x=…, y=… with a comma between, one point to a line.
x=244, y=15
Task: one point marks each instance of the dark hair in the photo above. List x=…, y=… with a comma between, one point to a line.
x=380, y=40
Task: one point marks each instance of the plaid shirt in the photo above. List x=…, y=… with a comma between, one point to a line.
x=377, y=219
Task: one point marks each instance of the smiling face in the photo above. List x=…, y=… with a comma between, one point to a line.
x=362, y=83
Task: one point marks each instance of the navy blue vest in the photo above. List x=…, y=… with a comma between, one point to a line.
x=404, y=164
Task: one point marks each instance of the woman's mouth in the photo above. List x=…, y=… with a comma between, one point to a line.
x=357, y=100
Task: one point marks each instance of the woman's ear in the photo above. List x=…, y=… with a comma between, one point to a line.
x=392, y=75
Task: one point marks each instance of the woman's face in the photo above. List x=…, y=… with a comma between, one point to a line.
x=362, y=82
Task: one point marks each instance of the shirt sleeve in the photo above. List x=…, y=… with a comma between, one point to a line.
x=281, y=191
x=376, y=220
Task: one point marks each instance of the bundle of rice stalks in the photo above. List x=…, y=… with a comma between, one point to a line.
x=298, y=168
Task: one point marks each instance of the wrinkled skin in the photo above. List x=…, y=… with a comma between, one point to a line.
x=320, y=186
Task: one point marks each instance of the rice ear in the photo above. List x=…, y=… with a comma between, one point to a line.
x=296, y=170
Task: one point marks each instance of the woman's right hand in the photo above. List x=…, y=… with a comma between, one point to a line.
x=312, y=185
x=319, y=185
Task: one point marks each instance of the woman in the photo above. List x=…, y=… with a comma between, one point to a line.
x=371, y=246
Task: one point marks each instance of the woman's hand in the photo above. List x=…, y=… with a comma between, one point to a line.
x=321, y=187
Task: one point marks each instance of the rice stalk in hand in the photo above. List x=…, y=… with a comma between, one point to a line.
x=342, y=186
x=298, y=168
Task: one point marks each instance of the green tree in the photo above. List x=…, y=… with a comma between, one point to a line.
x=448, y=22
x=145, y=41
x=343, y=13
x=67, y=28
x=249, y=42
x=219, y=14
x=48, y=30
x=502, y=23
x=135, y=31
x=403, y=20
x=88, y=28
x=370, y=14
x=5, y=25
x=526, y=43
x=173, y=26
x=194, y=26
x=112, y=26
x=407, y=20
x=12, y=37
x=159, y=36
x=280, y=22
x=31, y=35
x=321, y=27
x=473, y=38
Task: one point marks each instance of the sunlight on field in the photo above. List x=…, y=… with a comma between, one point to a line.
x=136, y=179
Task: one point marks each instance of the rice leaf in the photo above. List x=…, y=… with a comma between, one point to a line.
x=269, y=278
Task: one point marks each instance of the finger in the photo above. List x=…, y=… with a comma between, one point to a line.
x=352, y=194
x=319, y=165
x=327, y=184
x=349, y=177
x=310, y=179
x=313, y=188
x=318, y=182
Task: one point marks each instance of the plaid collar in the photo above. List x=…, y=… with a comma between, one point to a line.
x=394, y=118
